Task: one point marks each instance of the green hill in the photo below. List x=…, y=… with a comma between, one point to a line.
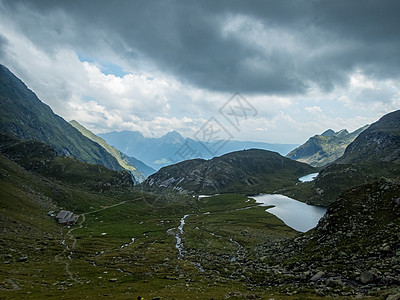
x=37, y=157
x=323, y=149
x=138, y=169
x=22, y=114
x=248, y=171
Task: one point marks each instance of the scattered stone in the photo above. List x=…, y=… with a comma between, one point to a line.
x=317, y=276
x=393, y=297
x=333, y=282
x=113, y=280
x=366, y=277
x=23, y=259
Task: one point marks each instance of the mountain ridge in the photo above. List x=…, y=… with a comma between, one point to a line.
x=321, y=150
x=24, y=115
x=380, y=142
x=138, y=169
x=246, y=171
x=374, y=154
x=167, y=150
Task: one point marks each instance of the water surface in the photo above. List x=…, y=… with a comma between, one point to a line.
x=309, y=177
x=297, y=215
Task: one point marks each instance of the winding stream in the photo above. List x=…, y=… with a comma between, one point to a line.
x=179, y=244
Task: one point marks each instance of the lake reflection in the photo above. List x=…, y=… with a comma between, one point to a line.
x=297, y=215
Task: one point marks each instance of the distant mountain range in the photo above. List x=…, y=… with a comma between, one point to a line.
x=323, y=149
x=248, y=171
x=172, y=147
x=139, y=170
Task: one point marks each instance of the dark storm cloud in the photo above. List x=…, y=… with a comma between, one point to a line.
x=3, y=44
x=331, y=39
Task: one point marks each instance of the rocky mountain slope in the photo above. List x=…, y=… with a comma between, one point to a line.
x=323, y=149
x=379, y=143
x=248, y=171
x=374, y=154
x=172, y=147
x=354, y=250
x=139, y=170
x=22, y=114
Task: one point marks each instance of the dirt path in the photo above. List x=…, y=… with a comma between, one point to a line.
x=70, y=236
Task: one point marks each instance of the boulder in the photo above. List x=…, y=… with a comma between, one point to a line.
x=366, y=277
x=317, y=276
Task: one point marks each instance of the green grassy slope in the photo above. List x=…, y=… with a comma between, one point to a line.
x=97, y=258
x=139, y=172
x=232, y=248
x=24, y=115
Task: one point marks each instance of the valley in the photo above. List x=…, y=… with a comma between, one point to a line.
x=201, y=229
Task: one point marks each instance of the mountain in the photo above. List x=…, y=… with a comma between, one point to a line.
x=247, y=171
x=373, y=155
x=172, y=147
x=323, y=149
x=22, y=114
x=380, y=142
x=39, y=158
x=138, y=169
x=352, y=253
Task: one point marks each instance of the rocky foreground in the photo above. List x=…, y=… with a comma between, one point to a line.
x=353, y=252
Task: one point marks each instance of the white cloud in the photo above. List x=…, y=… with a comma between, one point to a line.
x=154, y=102
x=316, y=110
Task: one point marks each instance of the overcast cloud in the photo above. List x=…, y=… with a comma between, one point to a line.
x=156, y=66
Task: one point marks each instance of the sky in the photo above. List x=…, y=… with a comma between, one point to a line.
x=270, y=71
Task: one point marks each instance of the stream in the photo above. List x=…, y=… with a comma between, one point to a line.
x=179, y=244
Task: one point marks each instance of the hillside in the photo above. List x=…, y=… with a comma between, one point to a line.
x=380, y=142
x=354, y=248
x=138, y=169
x=323, y=149
x=374, y=154
x=22, y=114
x=41, y=159
x=247, y=171
x=167, y=150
